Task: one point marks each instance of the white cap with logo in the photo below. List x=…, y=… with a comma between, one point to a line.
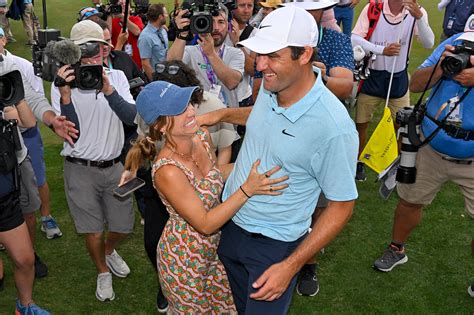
x=468, y=30
x=310, y=5
x=288, y=26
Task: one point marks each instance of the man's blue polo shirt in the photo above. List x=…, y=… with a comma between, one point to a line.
x=315, y=142
x=153, y=46
x=442, y=142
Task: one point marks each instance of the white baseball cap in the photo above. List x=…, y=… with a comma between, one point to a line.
x=287, y=26
x=468, y=30
x=312, y=4
x=87, y=31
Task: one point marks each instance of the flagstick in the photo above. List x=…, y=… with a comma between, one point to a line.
x=395, y=58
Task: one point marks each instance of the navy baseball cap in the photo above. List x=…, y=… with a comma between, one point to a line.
x=161, y=98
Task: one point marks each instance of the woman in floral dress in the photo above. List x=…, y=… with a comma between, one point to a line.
x=189, y=183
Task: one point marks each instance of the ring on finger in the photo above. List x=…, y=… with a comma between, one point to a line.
x=267, y=175
x=271, y=188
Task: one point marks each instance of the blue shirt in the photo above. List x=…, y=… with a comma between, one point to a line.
x=153, y=44
x=456, y=15
x=6, y=184
x=27, y=1
x=443, y=143
x=335, y=50
x=315, y=142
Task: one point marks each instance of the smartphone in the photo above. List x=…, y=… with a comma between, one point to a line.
x=129, y=187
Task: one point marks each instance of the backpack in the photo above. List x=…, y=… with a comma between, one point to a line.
x=374, y=11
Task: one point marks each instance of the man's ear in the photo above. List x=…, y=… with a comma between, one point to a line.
x=306, y=56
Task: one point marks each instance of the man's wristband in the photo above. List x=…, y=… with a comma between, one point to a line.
x=180, y=36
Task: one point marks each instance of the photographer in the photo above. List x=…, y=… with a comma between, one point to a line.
x=134, y=27
x=153, y=41
x=449, y=155
x=218, y=67
x=14, y=233
x=92, y=166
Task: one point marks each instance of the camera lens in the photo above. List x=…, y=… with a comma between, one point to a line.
x=89, y=77
x=453, y=64
x=201, y=23
x=6, y=89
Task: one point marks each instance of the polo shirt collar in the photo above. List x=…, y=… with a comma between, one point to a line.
x=296, y=110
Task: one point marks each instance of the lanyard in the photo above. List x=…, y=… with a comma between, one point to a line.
x=211, y=76
x=162, y=39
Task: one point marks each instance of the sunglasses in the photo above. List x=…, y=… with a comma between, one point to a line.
x=172, y=70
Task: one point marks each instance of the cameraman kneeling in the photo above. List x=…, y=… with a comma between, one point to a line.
x=449, y=156
x=92, y=166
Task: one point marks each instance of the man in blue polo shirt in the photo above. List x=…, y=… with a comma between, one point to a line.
x=299, y=124
x=153, y=40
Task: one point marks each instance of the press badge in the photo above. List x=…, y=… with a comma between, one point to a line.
x=455, y=116
x=450, y=24
x=128, y=49
x=215, y=89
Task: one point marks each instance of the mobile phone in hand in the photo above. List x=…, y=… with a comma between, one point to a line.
x=129, y=187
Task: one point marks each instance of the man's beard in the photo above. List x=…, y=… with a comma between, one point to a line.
x=218, y=42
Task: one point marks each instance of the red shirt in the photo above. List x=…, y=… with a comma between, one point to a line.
x=132, y=39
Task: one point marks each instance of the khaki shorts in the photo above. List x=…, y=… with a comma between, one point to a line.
x=432, y=172
x=366, y=104
x=91, y=201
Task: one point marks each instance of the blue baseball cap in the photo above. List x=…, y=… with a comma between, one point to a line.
x=86, y=13
x=161, y=98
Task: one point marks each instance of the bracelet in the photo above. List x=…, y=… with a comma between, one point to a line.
x=244, y=192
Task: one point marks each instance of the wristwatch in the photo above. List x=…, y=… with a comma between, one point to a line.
x=180, y=36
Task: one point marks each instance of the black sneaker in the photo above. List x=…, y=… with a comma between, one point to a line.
x=308, y=284
x=391, y=258
x=470, y=290
x=161, y=302
x=1, y=284
x=360, y=172
x=41, y=270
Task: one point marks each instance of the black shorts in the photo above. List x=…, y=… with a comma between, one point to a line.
x=10, y=212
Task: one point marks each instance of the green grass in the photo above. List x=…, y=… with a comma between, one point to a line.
x=434, y=281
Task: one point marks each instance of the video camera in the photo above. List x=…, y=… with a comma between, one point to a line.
x=201, y=13
x=52, y=51
x=458, y=60
x=11, y=89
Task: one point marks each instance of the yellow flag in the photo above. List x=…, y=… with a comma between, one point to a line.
x=381, y=149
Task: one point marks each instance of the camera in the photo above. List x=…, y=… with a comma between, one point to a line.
x=458, y=60
x=136, y=85
x=409, y=121
x=114, y=7
x=141, y=7
x=52, y=51
x=11, y=89
x=201, y=13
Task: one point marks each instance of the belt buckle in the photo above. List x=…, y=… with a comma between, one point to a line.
x=100, y=164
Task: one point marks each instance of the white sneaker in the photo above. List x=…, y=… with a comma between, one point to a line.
x=104, y=287
x=50, y=227
x=117, y=265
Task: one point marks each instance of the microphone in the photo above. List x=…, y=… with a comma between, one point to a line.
x=64, y=51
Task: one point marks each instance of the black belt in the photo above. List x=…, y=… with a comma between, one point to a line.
x=99, y=164
x=457, y=161
x=344, y=5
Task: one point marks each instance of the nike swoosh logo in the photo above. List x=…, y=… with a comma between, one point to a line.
x=263, y=26
x=286, y=133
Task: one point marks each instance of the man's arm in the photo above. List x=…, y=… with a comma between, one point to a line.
x=236, y=116
x=228, y=76
x=340, y=82
x=146, y=65
x=134, y=28
x=275, y=280
x=176, y=51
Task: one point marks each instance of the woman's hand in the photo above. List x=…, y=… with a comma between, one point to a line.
x=262, y=184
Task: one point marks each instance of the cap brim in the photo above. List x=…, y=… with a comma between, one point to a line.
x=267, y=5
x=308, y=6
x=468, y=35
x=261, y=45
x=91, y=39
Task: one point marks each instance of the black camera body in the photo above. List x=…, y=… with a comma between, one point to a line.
x=458, y=60
x=50, y=53
x=141, y=7
x=11, y=89
x=114, y=7
x=409, y=121
x=201, y=13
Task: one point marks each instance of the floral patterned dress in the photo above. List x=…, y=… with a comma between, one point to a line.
x=192, y=277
